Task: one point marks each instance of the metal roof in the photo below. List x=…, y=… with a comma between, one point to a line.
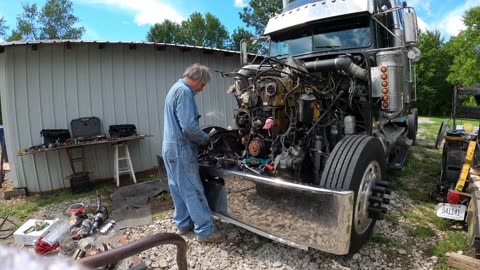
x=67, y=41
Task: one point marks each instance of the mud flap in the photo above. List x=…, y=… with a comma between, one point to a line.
x=298, y=215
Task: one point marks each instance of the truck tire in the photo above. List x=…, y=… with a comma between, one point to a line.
x=413, y=125
x=356, y=163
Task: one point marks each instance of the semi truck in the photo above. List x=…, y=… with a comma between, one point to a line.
x=324, y=111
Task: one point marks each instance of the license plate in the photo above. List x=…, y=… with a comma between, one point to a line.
x=451, y=211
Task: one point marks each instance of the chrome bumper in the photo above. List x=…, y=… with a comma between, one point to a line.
x=298, y=215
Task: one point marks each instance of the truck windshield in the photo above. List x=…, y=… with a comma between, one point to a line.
x=312, y=40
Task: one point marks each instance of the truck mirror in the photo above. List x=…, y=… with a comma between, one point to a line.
x=411, y=26
x=243, y=52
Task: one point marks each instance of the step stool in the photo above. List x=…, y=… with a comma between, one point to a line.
x=116, y=163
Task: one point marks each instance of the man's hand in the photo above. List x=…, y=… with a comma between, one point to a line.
x=231, y=89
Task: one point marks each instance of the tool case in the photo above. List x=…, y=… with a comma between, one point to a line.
x=54, y=135
x=86, y=127
x=119, y=131
x=80, y=184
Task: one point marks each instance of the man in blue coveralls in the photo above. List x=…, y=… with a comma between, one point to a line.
x=181, y=137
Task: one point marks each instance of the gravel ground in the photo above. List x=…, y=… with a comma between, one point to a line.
x=245, y=250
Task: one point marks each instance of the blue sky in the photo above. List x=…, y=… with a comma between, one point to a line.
x=130, y=20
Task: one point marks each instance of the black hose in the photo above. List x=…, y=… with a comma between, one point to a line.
x=9, y=231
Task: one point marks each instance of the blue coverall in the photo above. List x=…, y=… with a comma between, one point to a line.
x=181, y=137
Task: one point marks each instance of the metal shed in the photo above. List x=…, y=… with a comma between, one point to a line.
x=46, y=84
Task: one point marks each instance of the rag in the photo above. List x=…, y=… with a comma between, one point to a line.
x=39, y=225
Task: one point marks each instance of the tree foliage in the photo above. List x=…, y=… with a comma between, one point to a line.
x=465, y=70
x=257, y=13
x=433, y=91
x=3, y=27
x=54, y=21
x=197, y=30
x=165, y=32
x=237, y=36
x=57, y=21
x=27, y=23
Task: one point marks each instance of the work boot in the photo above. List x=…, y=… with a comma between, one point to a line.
x=216, y=237
x=185, y=231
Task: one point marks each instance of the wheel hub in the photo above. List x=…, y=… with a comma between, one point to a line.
x=361, y=219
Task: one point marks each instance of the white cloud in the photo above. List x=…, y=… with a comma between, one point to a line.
x=422, y=25
x=425, y=5
x=240, y=3
x=452, y=22
x=91, y=34
x=453, y=25
x=147, y=12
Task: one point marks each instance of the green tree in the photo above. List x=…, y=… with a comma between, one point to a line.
x=57, y=21
x=200, y=31
x=54, y=21
x=3, y=27
x=465, y=70
x=433, y=91
x=165, y=32
x=257, y=13
x=27, y=28
x=237, y=36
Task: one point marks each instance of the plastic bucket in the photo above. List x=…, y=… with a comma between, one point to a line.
x=75, y=208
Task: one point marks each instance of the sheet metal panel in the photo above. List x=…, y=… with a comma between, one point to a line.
x=120, y=83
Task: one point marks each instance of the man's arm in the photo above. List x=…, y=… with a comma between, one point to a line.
x=188, y=119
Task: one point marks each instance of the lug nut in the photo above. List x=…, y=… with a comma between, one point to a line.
x=375, y=199
x=382, y=183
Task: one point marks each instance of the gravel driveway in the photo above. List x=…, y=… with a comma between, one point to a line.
x=245, y=250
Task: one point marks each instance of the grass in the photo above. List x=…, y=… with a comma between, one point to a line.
x=20, y=211
x=31, y=204
x=417, y=180
x=450, y=242
x=421, y=231
x=381, y=239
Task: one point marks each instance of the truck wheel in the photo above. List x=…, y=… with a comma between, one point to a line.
x=413, y=125
x=357, y=163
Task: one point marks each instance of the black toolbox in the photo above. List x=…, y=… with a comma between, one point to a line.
x=120, y=131
x=86, y=127
x=54, y=135
x=80, y=183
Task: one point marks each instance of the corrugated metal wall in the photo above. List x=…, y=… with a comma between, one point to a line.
x=45, y=86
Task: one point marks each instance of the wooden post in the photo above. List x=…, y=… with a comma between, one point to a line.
x=462, y=262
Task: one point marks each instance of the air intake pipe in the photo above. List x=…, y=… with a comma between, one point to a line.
x=344, y=64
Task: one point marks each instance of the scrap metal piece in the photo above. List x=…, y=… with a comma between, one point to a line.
x=114, y=255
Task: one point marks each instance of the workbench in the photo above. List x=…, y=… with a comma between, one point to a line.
x=69, y=148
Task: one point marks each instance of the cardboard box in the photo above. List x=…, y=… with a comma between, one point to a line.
x=22, y=238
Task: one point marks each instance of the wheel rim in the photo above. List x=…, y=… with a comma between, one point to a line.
x=372, y=173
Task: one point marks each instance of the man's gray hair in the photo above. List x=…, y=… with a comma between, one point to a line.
x=197, y=71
